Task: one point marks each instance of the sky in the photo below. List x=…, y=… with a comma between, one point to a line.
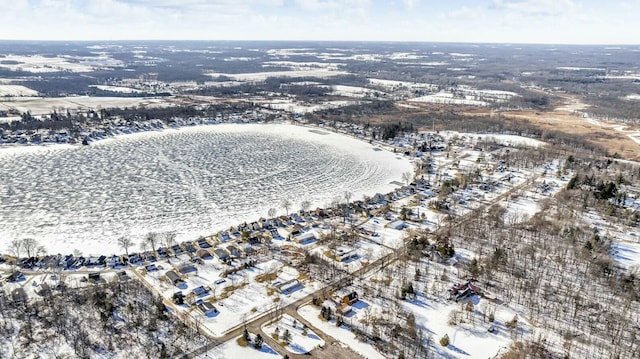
x=494, y=21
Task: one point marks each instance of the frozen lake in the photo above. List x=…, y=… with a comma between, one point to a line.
x=193, y=181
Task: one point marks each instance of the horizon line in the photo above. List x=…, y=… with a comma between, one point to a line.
x=335, y=41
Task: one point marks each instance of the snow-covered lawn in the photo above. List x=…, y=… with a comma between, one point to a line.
x=467, y=340
x=520, y=210
x=299, y=343
x=342, y=333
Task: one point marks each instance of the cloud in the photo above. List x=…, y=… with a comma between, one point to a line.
x=466, y=13
x=315, y=5
x=410, y=4
x=535, y=7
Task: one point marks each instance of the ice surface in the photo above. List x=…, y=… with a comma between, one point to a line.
x=193, y=181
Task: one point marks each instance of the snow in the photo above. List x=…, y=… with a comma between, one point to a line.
x=44, y=64
x=84, y=197
x=575, y=68
x=302, y=108
x=238, y=297
x=300, y=344
x=457, y=54
x=16, y=90
x=627, y=254
x=116, y=89
x=231, y=349
x=355, y=91
x=405, y=56
x=261, y=76
x=466, y=340
x=447, y=98
x=521, y=210
x=42, y=106
x=299, y=66
x=342, y=334
x=510, y=140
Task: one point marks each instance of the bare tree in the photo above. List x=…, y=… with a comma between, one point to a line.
x=168, y=239
x=286, y=204
x=407, y=177
x=347, y=196
x=152, y=240
x=125, y=243
x=271, y=213
x=15, y=247
x=32, y=247
x=305, y=205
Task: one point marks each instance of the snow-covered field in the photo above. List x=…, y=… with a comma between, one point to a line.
x=448, y=99
x=193, y=181
x=302, y=107
x=121, y=89
x=355, y=91
x=46, y=105
x=16, y=90
x=261, y=76
x=44, y=64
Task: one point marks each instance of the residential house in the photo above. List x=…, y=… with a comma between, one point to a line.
x=174, y=278
x=204, y=253
x=222, y=255
x=207, y=308
x=185, y=268
x=346, y=296
x=464, y=290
